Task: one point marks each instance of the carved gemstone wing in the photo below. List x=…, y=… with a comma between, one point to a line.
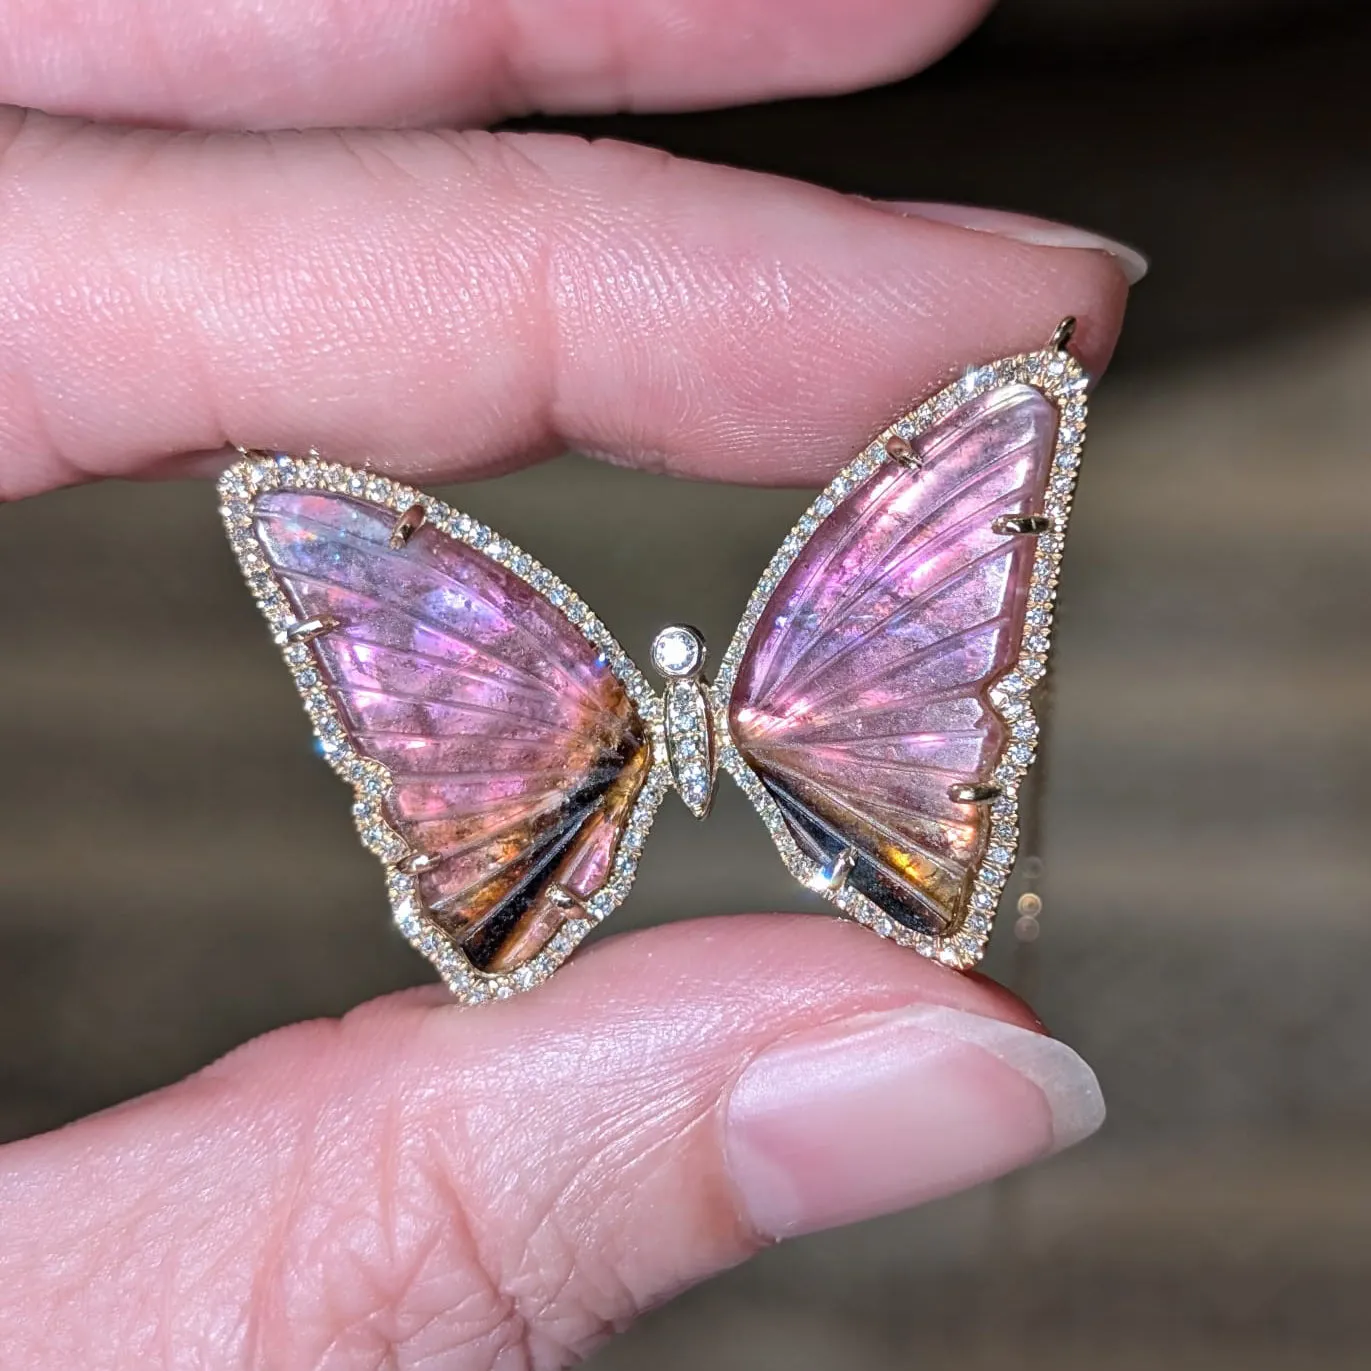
x=514, y=751
x=862, y=700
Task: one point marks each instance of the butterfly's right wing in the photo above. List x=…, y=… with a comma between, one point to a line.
x=876, y=694
x=500, y=742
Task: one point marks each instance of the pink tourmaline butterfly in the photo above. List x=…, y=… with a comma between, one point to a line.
x=874, y=704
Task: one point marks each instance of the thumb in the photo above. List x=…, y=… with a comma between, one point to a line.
x=420, y=1185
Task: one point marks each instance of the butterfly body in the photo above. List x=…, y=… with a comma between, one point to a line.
x=678, y=653
x=508, y=756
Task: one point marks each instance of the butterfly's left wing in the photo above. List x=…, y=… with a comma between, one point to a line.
x=876, y=694
x=500, y=743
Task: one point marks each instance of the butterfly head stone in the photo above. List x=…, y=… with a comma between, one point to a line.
x=507, y=757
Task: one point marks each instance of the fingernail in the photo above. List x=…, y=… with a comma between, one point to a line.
x=1024, y=228
x=890, y=1109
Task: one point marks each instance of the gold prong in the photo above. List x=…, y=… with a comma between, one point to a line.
x=1011, y=524
x=899, y=450
x=416, y=863
x=842, y=868
x=560, y=897
x=973, y=793
x=1063, y=334
x=407, y=525
x=307, y=630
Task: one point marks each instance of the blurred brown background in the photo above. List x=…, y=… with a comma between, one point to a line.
x=1207, y=936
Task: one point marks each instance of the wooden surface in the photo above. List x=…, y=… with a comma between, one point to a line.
x=177, y=870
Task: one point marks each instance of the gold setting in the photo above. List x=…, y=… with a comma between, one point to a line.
x=1053, y=372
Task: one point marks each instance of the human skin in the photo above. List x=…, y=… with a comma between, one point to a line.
x=421, y=1185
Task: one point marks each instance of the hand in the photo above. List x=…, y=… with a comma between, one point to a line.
x=420, y=1185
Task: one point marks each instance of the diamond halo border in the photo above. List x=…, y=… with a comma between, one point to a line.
x=259, y=472
x=1061, y=379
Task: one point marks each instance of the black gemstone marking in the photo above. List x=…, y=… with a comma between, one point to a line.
x=485, y=940
x=818, y=839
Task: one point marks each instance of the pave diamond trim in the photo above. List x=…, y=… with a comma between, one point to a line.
x=1061, y=379
x=370, y=780
x=690, y=744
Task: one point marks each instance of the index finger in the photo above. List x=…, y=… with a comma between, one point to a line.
x=438, y=305
x=300, y=63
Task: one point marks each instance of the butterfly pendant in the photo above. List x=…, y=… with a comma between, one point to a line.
x=508, y=758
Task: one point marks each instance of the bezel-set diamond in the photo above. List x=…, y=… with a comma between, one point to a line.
x=678, y=652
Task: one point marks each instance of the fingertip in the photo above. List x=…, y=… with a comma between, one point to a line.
x=1025, y=228
x=884, y=1111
